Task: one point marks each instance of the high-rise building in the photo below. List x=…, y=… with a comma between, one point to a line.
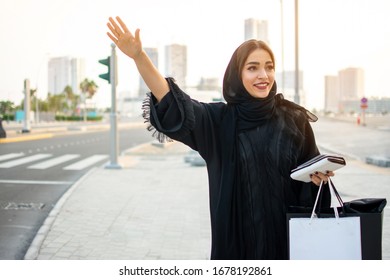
x=65, y=71
x=256, y=29
x=77, y=73
x=153, y=55
x=176, y=63
x=351, y=83
x=332, y=94
x=344, y=91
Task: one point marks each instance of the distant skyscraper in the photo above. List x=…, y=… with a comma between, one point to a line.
x=332, y=94
x=77, y=73
x=176, y=63
x=351, y=81
x=65, y=71
x=344, y=91
x=153, y=54
x=256, y=29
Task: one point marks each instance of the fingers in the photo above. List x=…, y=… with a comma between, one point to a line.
x=115, y=29
x=115, y=40
x=137, y=37
x=317, y=177
x=123, y=25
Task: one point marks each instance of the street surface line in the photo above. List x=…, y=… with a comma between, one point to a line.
x=86, y=162
x=53, y=162
x=32, y=182
x=10, y=156
x=24, y=160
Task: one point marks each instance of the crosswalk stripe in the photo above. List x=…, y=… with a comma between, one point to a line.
x=24, y=160
x=85, y=162
x=10, y=156
x=54, y=161
x=32, y=182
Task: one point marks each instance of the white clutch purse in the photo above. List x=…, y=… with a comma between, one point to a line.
x=320, y=163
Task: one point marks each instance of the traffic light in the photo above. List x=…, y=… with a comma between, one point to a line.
x=106, y=76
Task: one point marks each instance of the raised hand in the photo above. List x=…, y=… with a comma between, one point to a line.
x=124, y=39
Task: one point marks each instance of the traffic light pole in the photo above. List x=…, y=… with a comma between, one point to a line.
x=114, y=147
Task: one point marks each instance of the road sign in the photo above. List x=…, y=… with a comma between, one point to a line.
x=363, y=103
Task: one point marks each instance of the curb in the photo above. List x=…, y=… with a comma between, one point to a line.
x=27, y=138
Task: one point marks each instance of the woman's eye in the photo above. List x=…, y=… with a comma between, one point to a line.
x=270, y=67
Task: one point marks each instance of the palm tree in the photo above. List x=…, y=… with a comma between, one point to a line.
x=71, y=98
x=88, y=88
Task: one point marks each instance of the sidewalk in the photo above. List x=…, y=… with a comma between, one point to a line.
x=156, y=206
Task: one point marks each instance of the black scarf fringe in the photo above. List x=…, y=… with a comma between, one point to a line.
x=187, y=115
x=146, y=107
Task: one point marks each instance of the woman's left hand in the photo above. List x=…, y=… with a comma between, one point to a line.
x=317, y=177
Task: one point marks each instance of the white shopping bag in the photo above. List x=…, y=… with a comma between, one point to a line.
x=325, y=238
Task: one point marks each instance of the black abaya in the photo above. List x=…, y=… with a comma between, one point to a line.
x=248, y=170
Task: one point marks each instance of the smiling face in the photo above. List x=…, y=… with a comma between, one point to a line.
x=258, y=73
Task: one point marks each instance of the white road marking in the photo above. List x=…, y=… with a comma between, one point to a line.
x=53, y=162
x=10, y=156
x=32, y=182
x=24, y=160
x=86, y=162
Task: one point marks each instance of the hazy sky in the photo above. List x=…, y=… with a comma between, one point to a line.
x=334, y=34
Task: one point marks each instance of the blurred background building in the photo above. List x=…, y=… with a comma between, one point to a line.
x=176, y=63
x=345, y=93
x=256, y=29
x=153, y=54
x=65, y=71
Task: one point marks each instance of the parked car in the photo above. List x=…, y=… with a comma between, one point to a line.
x=194, y=158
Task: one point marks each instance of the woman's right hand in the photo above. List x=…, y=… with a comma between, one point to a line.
x=130, y=45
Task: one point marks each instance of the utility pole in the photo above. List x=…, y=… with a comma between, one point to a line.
x=26, y=107
x=282, y=44
x=114, y=143
x=296, y=95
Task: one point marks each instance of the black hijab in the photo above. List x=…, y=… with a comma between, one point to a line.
x=251, y=111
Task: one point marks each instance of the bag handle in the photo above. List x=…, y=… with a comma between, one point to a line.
x=334, y=196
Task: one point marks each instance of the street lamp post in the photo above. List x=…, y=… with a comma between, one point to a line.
x=296, y=95
x=26, y=125
x=282, y=43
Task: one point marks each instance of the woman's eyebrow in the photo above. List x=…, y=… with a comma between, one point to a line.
x=258, y=63
x=253, y=63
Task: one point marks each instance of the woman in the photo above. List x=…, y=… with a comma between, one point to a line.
x=250, y=146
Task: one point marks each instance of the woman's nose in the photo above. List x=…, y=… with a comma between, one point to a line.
x=262, y=74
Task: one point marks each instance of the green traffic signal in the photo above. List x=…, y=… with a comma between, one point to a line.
x=106, y=76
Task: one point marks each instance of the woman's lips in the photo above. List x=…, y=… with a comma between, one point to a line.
x=261, y=86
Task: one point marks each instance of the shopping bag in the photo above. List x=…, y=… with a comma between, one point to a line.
x=325, y=238
x=369, y=210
